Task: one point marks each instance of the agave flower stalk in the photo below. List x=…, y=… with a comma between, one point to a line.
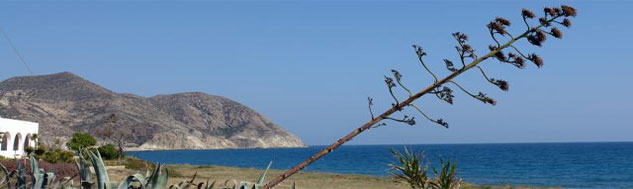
x=534, y=34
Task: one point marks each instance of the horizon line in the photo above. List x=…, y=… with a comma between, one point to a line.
x=459, y=143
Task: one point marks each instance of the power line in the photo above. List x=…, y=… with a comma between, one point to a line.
x=15, y=50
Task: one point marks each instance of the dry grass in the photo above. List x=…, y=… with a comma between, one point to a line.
x=304, y=180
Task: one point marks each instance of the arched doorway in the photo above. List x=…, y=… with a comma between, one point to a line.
x=5, y=141
x=27, y=141
x=16, y=143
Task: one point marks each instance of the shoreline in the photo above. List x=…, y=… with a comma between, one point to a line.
x=202, y=149
x=325, y=145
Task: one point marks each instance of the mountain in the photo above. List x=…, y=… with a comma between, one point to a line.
x=65, y=103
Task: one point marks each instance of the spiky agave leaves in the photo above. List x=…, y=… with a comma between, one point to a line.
x=21, y=174
x=158, y=179
x=260, y=182
x=99, y=168
x=84, y=170
x=37, y=177
x=130, y=181
x=410, y=168
x=447, y=176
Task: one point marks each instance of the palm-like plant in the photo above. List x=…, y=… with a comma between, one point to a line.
x=447, y=177
x=411, y=169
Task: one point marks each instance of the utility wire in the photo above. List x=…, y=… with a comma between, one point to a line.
x=15, y=50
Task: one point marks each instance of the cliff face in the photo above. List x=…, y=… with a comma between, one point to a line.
x=65, y=103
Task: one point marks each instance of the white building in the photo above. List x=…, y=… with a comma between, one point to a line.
x=16, y=135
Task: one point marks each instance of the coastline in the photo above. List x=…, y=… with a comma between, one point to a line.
x=325, y=145
x=201, y=149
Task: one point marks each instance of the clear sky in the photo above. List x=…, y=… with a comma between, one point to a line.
x=310, y=66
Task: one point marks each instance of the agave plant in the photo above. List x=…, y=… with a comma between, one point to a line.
x=39, y=178
x=155, y=179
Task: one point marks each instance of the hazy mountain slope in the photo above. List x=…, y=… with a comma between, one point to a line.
x=64, y=103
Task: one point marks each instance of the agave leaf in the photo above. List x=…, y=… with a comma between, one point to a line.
x=49, y=180
x=261, y=178
x=37, y=175
x=226, y=184
x=128, y=181
x=162, y=179
x=148, y=173
x=153, y=178
x=140, y=178
x=34, y=166
x=84, y=170
x=244, y=185
x=112, y=184
x=100, y=170
x=158, y=180
x=37, y=180
x=260, y=181
x=207, y=185
x=21, y=177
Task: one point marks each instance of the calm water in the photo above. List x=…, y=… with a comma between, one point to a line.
x=585, y=165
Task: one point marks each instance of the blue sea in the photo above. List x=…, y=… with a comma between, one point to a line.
x=573, y=165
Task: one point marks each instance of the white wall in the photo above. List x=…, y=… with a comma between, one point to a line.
x=16, y=128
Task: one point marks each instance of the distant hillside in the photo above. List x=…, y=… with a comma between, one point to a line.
x=65, y=103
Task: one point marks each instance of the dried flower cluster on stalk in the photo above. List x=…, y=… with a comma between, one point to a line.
x=536, y=33
x=498, y=29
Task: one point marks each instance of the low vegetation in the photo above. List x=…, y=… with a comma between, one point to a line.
x=155, y=179
x=410, y=167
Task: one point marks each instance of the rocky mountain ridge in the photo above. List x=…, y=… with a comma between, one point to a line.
x=65, y=103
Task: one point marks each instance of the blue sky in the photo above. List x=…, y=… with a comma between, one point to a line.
x=310, y=65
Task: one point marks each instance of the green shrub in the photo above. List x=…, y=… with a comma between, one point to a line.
x=28, y=150
x=137, y=164
x=108, y=151
x=58, y=156
x=81, y=141
x=40, y=151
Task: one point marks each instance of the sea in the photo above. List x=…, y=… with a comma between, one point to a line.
x=568, y=165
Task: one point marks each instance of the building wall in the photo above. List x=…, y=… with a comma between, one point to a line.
x=13, y=129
